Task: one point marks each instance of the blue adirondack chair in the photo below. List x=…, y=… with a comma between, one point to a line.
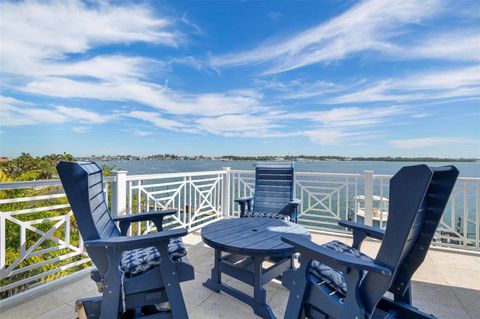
x=274, y=193
x=134, y=273
x=339, y=281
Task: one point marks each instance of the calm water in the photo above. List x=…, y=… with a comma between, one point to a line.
x=467, y=169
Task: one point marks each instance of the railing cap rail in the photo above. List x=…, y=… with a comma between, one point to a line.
x=306, y=173
x=172, y=175
x=39, y=183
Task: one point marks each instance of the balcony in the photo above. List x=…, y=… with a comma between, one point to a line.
x=44, y=268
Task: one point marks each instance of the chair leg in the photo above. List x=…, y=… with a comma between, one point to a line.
x=111, y=296
x=298, y=286
x=112, y=286
x=172, y=285
x=406, y=297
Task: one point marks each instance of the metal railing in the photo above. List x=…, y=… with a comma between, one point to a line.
x=40, y=242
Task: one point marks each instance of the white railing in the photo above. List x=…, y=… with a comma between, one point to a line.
x=327, y=198
x=39, y=240
x=198, y=198
x=43, y=241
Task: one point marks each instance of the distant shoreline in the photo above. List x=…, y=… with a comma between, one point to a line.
x=275, y=158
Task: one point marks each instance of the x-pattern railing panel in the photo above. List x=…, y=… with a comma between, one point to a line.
x=326, y=198
x=48, y=244
x=196, y=197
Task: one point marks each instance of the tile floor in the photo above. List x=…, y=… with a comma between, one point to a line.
x=447, y=285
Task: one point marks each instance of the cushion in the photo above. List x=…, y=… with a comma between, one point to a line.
x=268, y=215
x=138, y=261
x=332, y=277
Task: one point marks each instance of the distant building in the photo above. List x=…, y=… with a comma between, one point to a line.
x=3, y=159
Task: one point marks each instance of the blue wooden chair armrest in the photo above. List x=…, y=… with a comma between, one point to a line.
x=244, y=199
x=122, y=243
x=244, y=202
x=334, y=259
x=156, y=217
x=352, y=267
x=295, y=202
x=360, y=232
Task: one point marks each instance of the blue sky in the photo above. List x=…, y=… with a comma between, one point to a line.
x=354, y=78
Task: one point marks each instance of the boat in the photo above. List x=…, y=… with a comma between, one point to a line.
x=380, y=207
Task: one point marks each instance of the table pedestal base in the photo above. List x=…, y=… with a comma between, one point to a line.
x=249, y=270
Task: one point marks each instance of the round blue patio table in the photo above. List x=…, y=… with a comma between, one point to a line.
x=241, y=246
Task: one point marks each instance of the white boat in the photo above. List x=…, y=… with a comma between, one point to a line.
x=380, y=207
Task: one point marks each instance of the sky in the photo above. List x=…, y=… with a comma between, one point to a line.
x=351, y=78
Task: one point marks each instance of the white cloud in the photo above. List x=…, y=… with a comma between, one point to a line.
x=37, y=35
x=247, y=125
x=158, y=120
x=459, y=45
x=150, y=94
x=140, y=133
x=349, y=116
x=330, y=136
x=14, y=112
x=298, y=89
x=369, y=25
x=80, y=129
x=430, y=85
x=432, y=141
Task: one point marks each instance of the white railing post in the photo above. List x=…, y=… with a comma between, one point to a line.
x=368, y=220
x=226, y=193
x=119, y=193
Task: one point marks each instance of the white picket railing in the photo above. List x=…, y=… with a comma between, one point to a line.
x=44, y=243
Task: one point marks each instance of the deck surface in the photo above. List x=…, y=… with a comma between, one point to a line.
x=447, y=285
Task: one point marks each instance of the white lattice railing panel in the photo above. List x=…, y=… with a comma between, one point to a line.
x=197, y=197
x=325, y=198
x=39, y=240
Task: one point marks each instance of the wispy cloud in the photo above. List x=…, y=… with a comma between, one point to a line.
x=14, y=112
x=427, y=85
x=459, y=45
x=369, y=25
x=37, y=35
x=328, y=136
x=80, y=129
x=150, y=94
x=158, y=120
x=247, y=125
x=45, y=67
x=140, y=133
x=432, y=141
x=298, y=89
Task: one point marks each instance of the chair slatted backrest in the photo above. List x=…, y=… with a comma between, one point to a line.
x=274, y=187
x=83, y=184
x=418, y=196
